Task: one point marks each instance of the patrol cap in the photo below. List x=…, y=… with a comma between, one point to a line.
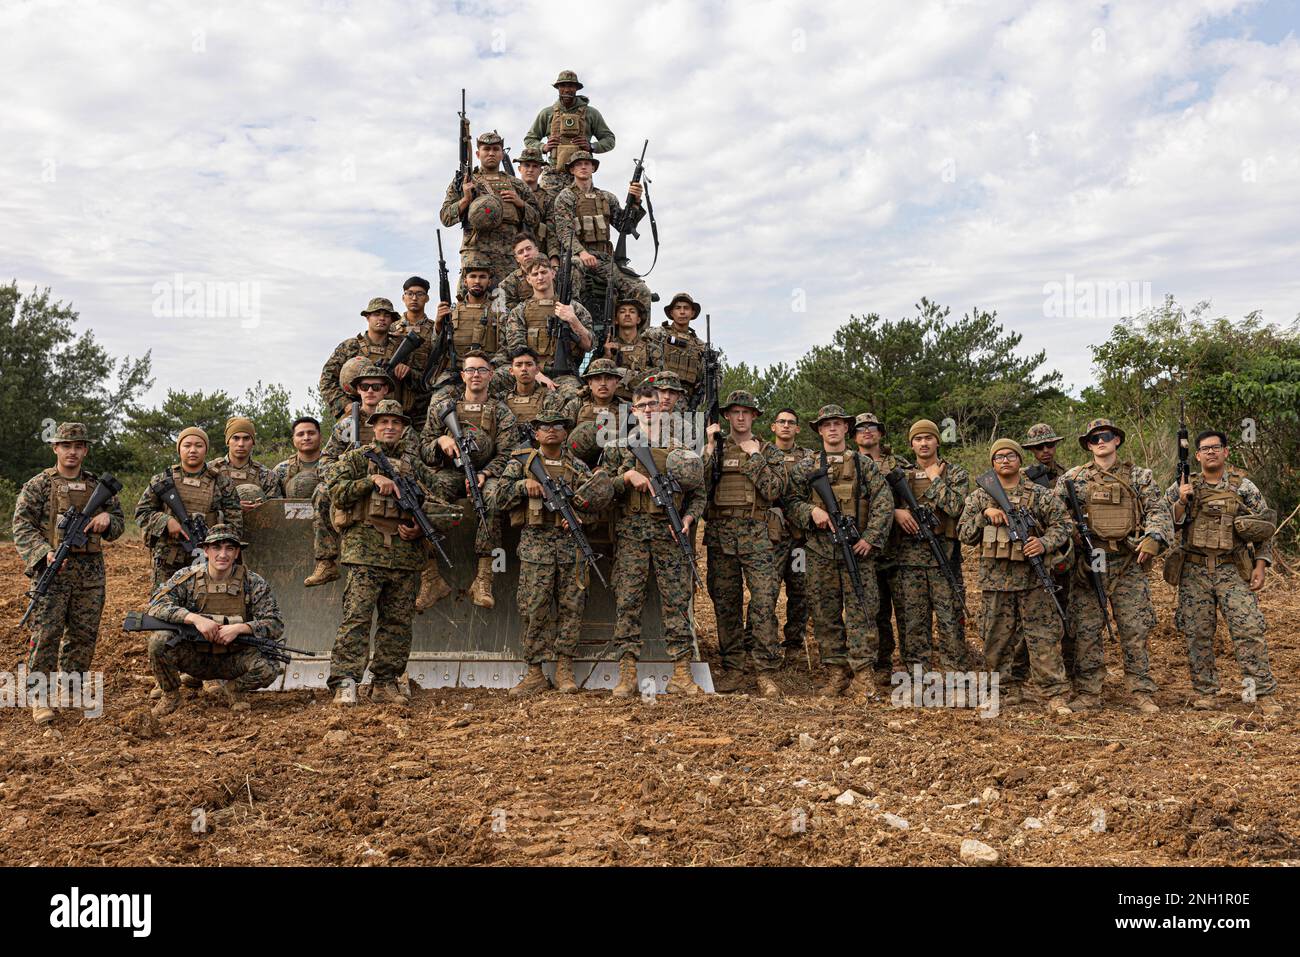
x=223, y=532
x=1096, y=425
x=831, y=412
x=567, y=76
x=743, y=399
x=70, y=432
x=379, y=304
x=1040, y=434
x=1003, y=444
x=388, y=407
x=630, y=300
x=476, y=263
x=582, y=155
x=665, y=380
x=682, y=297
x=603, y=366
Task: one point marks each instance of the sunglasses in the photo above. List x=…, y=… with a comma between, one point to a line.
x=1104, y=436
x=371, y=386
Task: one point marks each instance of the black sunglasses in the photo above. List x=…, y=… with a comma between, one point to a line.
x=1104, y=436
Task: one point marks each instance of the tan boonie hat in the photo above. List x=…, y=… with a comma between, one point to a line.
x=630, y=300
x=223, y=532
x=1003, y=444
x=1040, y=434
x=379, y=304
x=743, y=399
x=682, y=297
x=665, y=380
x=831, y=412
x=603, y=367
x=582, y=155
x=1096, y=425
x=866, y=418
x=567, y=76
x=70, y=432
x=922, y=427
x=388, y=407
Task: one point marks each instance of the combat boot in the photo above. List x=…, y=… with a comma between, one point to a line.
x=1010, y=695
x=564, y=680
x=387, y=692
x=767, y=687
x=189, y=681
x=234, y=697
x=729, y=680
x=346, y=693
x=681, y=682
x=1087, y=702
x=1268, y=704
x=626, y=686
x=837, y=679
x=480, y=592
x=1206, y=702
x=432, y=588
x=42, y=714
x=326, y=570
x=1058, y=705
x=534, y=681
x=168, y=702
x=863, y=685
x=1142, y=701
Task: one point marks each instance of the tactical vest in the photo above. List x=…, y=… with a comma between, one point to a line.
x=635, y=358
x=225, y=601
x=997, y=539
x=1210, y=530
x=1044, y=475
x=199, y=495
x=499, y=183
x=419, y=359
x=843, y=473
x=69, y=493
x=537, y=329
x=533, y=511
x=483, y=416
x=297, y=467
x=920, y=482
x=472, y=326
x=735, y=495
x=526, y=407
x=570, y=127
x=685, y=357
x=638, y=502
x=591, y=216
x=542, y=230
x=249, y=474
x=1114, y=511
x=379, y=511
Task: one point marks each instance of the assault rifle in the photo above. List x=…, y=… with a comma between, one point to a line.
x=710, y=399
x=465, y=461
x=194, y=526
x=624, y=224
x=1184, y=450
x=356, y=423
x=183, y=631
x=844, y=532
x=662, y=489
x=72, y=524
x=556, y=496
x=466, y=166
x=410, y=342
x=410, y=499
x=443, y=354
x=1090, y=551
x=1021, y=525
x=506, y=165
x=927, y=524
x=563, y=363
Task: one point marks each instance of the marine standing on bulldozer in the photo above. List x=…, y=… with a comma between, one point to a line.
x=246, y=474
x=298, y=475
x=377, y=344
x=568, y=125
x=678, y=348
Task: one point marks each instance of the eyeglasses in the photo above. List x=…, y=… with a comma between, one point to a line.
x=646, y=406
x=477, y=370
x=1210, y=448
x=786, y=422
x=1104, y=436
x=1005, y=457
x=371, y=386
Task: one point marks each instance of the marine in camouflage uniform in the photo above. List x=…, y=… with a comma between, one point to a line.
x=299, y=475
x=788, y=555
x=493, y=428
x=741, y=490
x=205, y=492
x=552, y=570
x=477, y=319
x=530, y=164
x=595, y=414
x=1014, y=601
x=368, y=385
x=1130, y=523
x=1041, y=440
x=377, y=344
x=679, y=350
x=645, y=541
x=584, y=216
x=920, y=588
x=493, y=207
x=1225, y=525
x=539, y=324
x=869, y=436
x=527, y=395
x=569, y=124
x=862, y=494
x=515, y=288
x=241, y=468
x=223, y=599
x=628, y=348
x=384, y=552
x=65, y=622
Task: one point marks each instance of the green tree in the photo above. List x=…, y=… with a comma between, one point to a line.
x=150, y=434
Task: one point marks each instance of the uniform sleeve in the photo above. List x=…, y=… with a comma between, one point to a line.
x=880, y=514
x=611, y=461
x=625, y=218
x=532, y=216
x=329, y=387
x=514, y=330
x=232, y=513
x=1050, y=512
x=507, y=439
x=150, y=514
x=1255, y=503
x=1158, y=520
x=271, y=484
x=602, y=137
x=767, y=471
x=116, y=520
x=265, y=611
x=798, y=509
x=30, y=528
x=450, y=212
x=970, y=527
x=434, y=429
x=349, y=483
x=172, y=600
x=584, y=317
x=504, y=494
x=535, y=138
x=566, y=233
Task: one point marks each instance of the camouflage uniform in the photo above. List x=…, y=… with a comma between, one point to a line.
x=739, y=547
x=474, y=326
x=295, y=478
x=207, y=493
x=65, y=623
x=551, y=567
x=645, y=541
x=920, y=588
x=246, y=595
x=577, y=122
x=383, y=568
x=1014, y=601
x=1047, y=476
x=864, y=495
x=680, y=353
x=1211, y=580
x=520, y=332
x=639, y=358
x=889, y=612
x=1127, y=516
x=516, y=288
x=252, y=473
x=331, y=391
x=784, y=561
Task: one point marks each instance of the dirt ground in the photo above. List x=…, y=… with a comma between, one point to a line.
x=474, y=777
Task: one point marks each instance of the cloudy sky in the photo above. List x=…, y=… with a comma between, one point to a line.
x=1064, y=162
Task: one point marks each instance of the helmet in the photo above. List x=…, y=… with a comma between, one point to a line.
x=486, y=212
x=350, y=370
x=1256, y=528
x=687, y=468
x=596, y=494
x=583, y=441
x=248, y=492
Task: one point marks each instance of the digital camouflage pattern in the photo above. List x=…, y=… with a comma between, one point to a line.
x=339, y=402
x=253, y=472
x=492, y=243
x=295, y=478
x=151, y=515
x=680, y=353
x=65, y=623
x=626, y=283
x=516, y=336
x=391, y=592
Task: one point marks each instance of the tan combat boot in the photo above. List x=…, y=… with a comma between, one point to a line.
x=681, y=682
x=41, y=713
x=189, y=681
x=1058, y=705
x=767, y=686
x=626, y=686
x=1087, y=702
x=387, y=692
x=234, y=697
x=167, y=703
x=346, y=693
x=432, y=588
x=480, y=592
x=1206, y=702
x=837, y=679
x=534, y=681
x=326, y=570
x=564, y=680
x=863, y=685
x=1142, y=701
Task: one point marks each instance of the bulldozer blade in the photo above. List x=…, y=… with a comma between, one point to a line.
x=456, y=644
